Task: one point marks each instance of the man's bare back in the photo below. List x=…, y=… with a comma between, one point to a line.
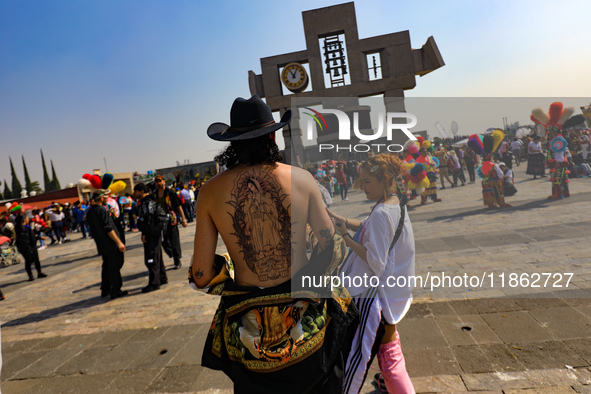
x=261, y=213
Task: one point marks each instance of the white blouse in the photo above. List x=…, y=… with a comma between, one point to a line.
x=534, y=147
x=393, y=272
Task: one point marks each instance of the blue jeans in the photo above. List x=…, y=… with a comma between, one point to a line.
x=58, y=230
x=82, y=227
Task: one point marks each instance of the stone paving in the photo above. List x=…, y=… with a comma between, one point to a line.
x=58, y=335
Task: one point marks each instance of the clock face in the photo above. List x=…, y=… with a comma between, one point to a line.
x=294, y=77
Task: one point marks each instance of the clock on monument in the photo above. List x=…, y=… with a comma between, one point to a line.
x=294, y=77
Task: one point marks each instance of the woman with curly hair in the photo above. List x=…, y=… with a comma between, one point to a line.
x=381, y=249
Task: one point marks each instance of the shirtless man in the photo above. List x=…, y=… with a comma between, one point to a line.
x=252, y=206
x=260, y=208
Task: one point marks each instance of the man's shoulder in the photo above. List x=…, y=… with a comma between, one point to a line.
x=301, y=174
x=95, y=210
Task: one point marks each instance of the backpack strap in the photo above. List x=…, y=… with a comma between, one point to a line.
x=400, y=222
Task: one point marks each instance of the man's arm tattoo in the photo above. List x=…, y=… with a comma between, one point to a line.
x=325, y=237
x=199, y=273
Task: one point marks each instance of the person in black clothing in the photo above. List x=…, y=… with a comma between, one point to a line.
x=469, y=156
x=26, y=243
x=115, y=209
x=109, y=245
x=151, y=236
x=171, y=204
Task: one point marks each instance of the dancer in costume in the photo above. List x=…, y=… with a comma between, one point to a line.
x=558, y=167
x=383, y=247
x=552, y=121
x=430, y=168
x=493, y=194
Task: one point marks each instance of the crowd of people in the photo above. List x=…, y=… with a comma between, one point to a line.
x=266, y=331
x=31, y=230
x=261, y=332
x=448, y=164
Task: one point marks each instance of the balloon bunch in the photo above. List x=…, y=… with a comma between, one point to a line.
x=413, y=149
x=424, y=144
x=418, y=180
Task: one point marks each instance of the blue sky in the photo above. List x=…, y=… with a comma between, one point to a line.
x=138, y=82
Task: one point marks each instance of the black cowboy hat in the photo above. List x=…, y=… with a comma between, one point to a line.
x=249, y=119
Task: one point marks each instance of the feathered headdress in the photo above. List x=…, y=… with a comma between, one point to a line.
x=498, y=136
x=488, y=142
x=522, y=132
x=15, y=207
x=556, y=115
x=475, y=144
x=103, y=185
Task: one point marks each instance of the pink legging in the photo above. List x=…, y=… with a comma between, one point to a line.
x=393, y=367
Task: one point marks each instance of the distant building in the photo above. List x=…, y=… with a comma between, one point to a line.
x=188, y=172
x=67, y=195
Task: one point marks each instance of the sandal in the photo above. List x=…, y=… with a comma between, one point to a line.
x=378, y=380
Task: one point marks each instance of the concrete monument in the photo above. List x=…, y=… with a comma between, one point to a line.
x=341, y=65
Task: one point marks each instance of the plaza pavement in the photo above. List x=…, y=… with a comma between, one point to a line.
x=60, y=336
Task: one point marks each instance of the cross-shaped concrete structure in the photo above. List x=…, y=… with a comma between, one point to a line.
x=398, y=62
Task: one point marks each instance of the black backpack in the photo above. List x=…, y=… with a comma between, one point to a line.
x=154, y=219
x=160, y=220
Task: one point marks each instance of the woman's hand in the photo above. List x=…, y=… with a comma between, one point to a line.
x=334, y=216
x=340, y=226
x=340, y=223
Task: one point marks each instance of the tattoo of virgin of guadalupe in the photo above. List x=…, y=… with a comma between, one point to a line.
x=262, y=224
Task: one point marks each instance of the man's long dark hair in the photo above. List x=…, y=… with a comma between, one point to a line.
x=250, y=152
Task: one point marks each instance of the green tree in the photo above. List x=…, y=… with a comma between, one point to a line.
x=54, y=181
x=16, y=185
x=7, y=193
x=1, y=195
x=28, y=184
x=46, y=181
x=35, y=187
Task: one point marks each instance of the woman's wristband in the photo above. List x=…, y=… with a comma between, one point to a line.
x=347, y=235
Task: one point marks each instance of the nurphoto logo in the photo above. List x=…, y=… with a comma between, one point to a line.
x=394, y=121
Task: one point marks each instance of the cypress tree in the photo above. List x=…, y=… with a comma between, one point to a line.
x=54, y=181
x=46, y=181
x=28, y=183
x=16, y=185
x=7, y=193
